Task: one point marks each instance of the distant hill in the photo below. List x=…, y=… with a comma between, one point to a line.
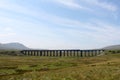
x=112, y=47
x=13, y=46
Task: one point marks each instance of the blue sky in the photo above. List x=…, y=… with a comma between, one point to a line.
x=60, y=24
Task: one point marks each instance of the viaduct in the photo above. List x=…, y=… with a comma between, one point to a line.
x=63, y=53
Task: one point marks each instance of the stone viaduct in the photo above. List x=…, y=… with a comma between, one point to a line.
x=63, y=53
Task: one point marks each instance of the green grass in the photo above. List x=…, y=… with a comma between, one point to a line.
x=106, y=67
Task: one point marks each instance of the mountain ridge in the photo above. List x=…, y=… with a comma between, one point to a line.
x=12, y=46
x=112, y=47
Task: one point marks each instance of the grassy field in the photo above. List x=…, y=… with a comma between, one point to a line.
x=106, y=67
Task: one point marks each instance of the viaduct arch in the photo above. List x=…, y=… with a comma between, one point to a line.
x=63, y=53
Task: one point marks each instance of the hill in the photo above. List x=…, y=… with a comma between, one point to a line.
x=12, y=46
x=112, y=47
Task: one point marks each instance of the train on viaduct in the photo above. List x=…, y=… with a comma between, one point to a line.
x=64, y=53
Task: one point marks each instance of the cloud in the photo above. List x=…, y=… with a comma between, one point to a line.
x=7, y=35
x=6, y=32
x=103, y=4
x=87, y=4
x=8, y=29
x=72, y=4
x=69, y=3
x=64, y=31
x=83, y=28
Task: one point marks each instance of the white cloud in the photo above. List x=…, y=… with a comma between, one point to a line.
x=7, y=34
x=90, y=3
x=69, y=3
x=99, y=32
x=8, y=29
x=103, y=4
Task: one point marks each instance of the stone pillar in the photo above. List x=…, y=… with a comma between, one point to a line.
x=38, y=53
x=85, y=54
x=92, y=53
x=88, y=53
x=95, y=53
x=63, y=53
x=49, y=53
x=52, y=53
x=81, y=53
x=46, y=52
x=41, y=52
x=60, y=53
x=67, y=53
x=56, y=53
x=72, y=53
x=27, y=53
x=35, y=53
x=32, y=53
x=98, y=52
x=78, y=53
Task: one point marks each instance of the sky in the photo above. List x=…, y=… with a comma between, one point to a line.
x=60, y=24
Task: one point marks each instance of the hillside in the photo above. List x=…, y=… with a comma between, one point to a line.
x=12, y=46
x=112, y=47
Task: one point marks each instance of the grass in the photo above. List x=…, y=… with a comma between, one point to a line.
x=106, y=67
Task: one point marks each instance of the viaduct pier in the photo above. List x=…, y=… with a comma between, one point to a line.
x=63, y=53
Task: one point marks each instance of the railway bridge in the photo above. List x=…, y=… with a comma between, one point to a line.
x=63, y=53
